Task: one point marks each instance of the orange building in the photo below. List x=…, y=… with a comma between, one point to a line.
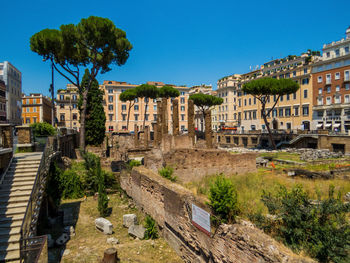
x=36, y=108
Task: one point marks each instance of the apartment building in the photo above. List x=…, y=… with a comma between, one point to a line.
x=117, y=111
x=331, y=86
x=36, y=108
x=67, y=107
x=3, y=118
x=291, y=112
x=13, y=81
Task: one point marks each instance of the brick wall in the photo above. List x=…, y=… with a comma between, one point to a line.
x=170, y=205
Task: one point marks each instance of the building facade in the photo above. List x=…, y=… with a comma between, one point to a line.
x=117, y=111
x=13, y=81
x=3, y=118
x=292, y=112
x=331, y=85
x=36, y=108
x=67, y=107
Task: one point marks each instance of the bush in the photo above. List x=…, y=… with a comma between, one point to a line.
x=320, y=228
x=93, y=169
x=151, y=228
x=102, y=198
x=43, y=129
x=132, y=163
x=223, y=200
x=167, y=172
x=71, y=185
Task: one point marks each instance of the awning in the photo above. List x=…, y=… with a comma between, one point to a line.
x=319, y=125
x=328, y=125
x=337, y=125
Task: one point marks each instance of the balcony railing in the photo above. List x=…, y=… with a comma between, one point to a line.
x=34, y=250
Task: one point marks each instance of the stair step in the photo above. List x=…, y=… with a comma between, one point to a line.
x=23, y=170
x=12, y=211
x=9, y=224
x=15, y=188
x=10, y=194
x=10, y=247
x=26, y=160
x=14, y=184
x=8, y=219
x=9, y=256
x=13, y=174
x=14, y=199
x=11, y=239
x=19, y=179
x=21, y=165
x=14, y=205
x=13, y=231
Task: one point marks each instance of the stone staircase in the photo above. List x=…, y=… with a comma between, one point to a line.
x=15, y=192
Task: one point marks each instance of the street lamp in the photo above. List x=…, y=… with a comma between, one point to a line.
x=52, y=90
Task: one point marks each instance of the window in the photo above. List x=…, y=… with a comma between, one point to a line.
x=254, y=115
x=145, y=100
x=62, y=117
x=110, y=117
x=124, y=117
x=328, y=89
x=110, y=91
x=75, y=116
x=274, y=113
x=34, y=119
x=34, y=101
x=328, y=78
x=249, y=102
x=28, y=120
x=182, y=117
x=154, y=100
x=154, y=107
x=305, y=81
x=337, y=99
x=28, y=109
x=319, y=101
x=294, y=73
x=329, y=100
x=287, y=112
x=281, y=98
x=34, y=109
x=319, y=113
x=346, y=99
x=320, y=91
x=74, y=97
x=337, y=52
x=280, y=113
x=110, y=128
x=182, y=93
x=319, y=79
x=305, y=93
x=328, y=54
x=337, y=75
x=27, y=101
x=337, y=88
x=182, y=100
x=155, y=117
x=110, y=107
x=136, y=116
x=182, y=108
x=346, y=75
x=289, y=126
x=287, y=97
x=110, y=98
x=305, y=110
x=296, y=111
x=74, y=106
x=294, y=96
x=254, y=100
x=136, y=107
x=61, y=106
x=123, y=107
x=305, y=70
x=347, y=86
x=245, y=102
x=346, y=49
x=146, y=117
x=136, y=100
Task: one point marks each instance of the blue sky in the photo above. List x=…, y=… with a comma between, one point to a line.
x=179, y=42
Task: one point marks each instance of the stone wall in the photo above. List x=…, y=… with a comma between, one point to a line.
x=170, y=205
x=24, y=134
x=194, y=164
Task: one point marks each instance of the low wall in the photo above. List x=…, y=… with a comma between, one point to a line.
x=194, y=164
x=170, y=205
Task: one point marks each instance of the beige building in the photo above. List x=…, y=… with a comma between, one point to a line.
x=36, y=108
x=67, y=107
x=117, y=111
x=292, y=112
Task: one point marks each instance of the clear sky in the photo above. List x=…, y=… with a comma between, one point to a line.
x=179, y=42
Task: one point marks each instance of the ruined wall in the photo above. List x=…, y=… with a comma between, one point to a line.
x=193, y=164
x=170, y=205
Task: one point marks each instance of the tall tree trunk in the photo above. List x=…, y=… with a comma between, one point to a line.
x=127, y=121
x=269, y=131
x=82, y=121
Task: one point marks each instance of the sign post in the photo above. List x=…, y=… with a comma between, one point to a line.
x=201, y=219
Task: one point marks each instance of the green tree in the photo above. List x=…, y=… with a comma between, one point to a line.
x=147, y=92
x=263, y=88
x=94, y=42
x=205, y=102
x=95, y=125
x=102, y=195
x=43, y=129
x=128, y=95
x=168, y=92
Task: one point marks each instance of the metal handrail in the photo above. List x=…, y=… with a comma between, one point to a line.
x=27, y=229
x=7, y=168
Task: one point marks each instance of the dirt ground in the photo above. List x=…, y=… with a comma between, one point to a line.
x=89, y=244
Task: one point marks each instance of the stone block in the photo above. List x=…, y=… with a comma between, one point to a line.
x=129, y=220
x=104, y=225
x=62, y=239
x=137, y=231
x=112, y=241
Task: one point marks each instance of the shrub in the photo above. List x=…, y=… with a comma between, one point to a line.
x=132, y=163
x=223, y=200
x=43, y=129
x=151, y=228
x=321, y=228
x=102, y=199
x=93, y=169
x=71, y=185
x=167, y=172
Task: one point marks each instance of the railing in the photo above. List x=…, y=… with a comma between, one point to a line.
x=34, y=250
x=28, y=228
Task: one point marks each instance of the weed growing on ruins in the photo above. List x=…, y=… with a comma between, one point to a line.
x=167, y=172
x=132, y=163
x=223, y=200
x=151, y=228
x=71, y=185
x=321, y=228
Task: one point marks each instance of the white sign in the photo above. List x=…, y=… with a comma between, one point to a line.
x=201, y=219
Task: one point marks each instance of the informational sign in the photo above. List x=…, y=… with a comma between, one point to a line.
x=201, y=219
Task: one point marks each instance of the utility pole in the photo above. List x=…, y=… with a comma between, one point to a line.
x=52, y=89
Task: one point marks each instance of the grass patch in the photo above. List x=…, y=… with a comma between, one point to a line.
x=283, y=156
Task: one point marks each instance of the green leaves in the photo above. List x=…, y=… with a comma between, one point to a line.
x=151, y=228
x=168, y=92
x=202, y=100
x=43, y=129
x=223, y=199
x=128, y=95
x=270, y=86
x=147, y=91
